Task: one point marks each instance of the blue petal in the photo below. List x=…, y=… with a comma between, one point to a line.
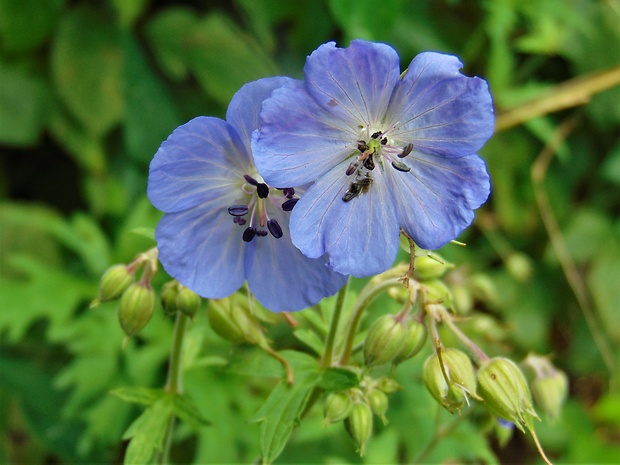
x=436, y=199
x=198, y=163
x=298, y=141
x=244, y=109
x=282, y=278
x=353, y=83
x=202, y=248
x=360, y=236
x=440, y=110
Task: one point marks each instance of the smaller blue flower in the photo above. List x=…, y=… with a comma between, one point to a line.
x=223, y=224
x=385, y=151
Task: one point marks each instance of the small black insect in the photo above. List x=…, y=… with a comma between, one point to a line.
x=357, y=188
x=369, y=163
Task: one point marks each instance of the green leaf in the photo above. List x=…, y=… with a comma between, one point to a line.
x=23, y=102
x=310, y=338
x=353, y=16
x=147, y=432
x=254, y=363
x=129, y=11
x=150, y=115
x=87, y=68
x=185, y=408
x=138, y=394
x=281, y=411
x=25, y=24
x=338, y=379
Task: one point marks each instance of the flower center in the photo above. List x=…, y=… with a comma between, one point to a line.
x=257, y=208
x=370, y=151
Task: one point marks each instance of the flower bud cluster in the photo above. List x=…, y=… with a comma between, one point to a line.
x=176, y=297
x=232, y=319
x=393, y=339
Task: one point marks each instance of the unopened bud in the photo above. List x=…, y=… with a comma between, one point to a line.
x=430, y=267
x=384, y=341
x=113, y=283
x=136, y=307
x=550, y=393
x=359, y=425
x=378, y=402
x=388, y=385
x=503, y=387
x=437, y=291
x=168, y=296
x=455, y=383
x=232, y=321
x=188, y=301
x=338, y=406
x=416, y=335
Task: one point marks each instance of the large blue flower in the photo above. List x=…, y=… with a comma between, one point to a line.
x=386, y=151
x=223, y=225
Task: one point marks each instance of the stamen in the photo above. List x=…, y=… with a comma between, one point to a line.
x=406, y=150
x=250, y=180
x=262, y=190
x=384, y=141
x=400, y=166
x=238, y=210
x=361, y=146
x=351, y=169
x=288, y=205
x=376, y=135
x=261, y=233
x=240, y=221
x=274, y=228
x=369, y=163
x=289, y=192
x=249, y=234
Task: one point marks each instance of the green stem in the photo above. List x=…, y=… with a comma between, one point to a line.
x=471, y=345
x=368, y=294
x=439, y=433
x=333, y=327
x=174, y=383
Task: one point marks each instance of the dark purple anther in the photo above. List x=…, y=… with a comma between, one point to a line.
x=250, y=180
x=369, y=163
x=240, y=221
x=238, y=210
x=400, y=166
x=274, y=228
x=351, y=169
x=261, y=233
x=262, y=190
x=361, y=146
x=289, y=204
x=249, y=234
x=406, y=150
x=289, y=192
x=376, y=135
x=384, y=141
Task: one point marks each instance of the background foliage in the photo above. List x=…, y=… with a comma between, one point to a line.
x=89, y=89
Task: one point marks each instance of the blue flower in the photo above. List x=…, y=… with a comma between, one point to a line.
x=223, y=225
x=386, y=151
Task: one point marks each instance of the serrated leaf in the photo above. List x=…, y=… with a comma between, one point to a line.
x=86, y=66
x=138, y=394
x=147, y=432
x=338, y=379
x=150, y=114
x=254, y=363
x=187, y=410
x=280, y=413
x=310, y=338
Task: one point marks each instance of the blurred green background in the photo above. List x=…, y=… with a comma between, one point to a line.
x=88, y=91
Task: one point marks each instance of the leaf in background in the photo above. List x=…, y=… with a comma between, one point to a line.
x=25, y=24
x=150, y=114
x=281, y=411
x=185, y=408
x=147, y=432
x=338, y=379
x=86, y=63
x=254, y=363
x=23, y=103
x=353, y=16
x=138, y=394
x=129, y=11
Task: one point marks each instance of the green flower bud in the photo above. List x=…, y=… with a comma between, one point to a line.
x=168, y=296
x=506, y=393
x=462, y=298
x=437, y=291
x=427, y=267
x=232, y=321
x=113, y=283
x=416, y=335
x=388, y=385
x=188, y=301
x=386, y=338
x=136, y=307
x=378, y=402
x=338, y=406
x=519, y=266
x=359, y=425
x=452, y=393
x=550, y=393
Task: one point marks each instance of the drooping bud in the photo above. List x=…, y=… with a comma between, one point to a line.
x=386, y=338
x=113, y=283
x=549, y=385
x=359, y=425
x=136, y=307
x=503, y=387
x=338, y=406
x=378, y=402
x=416, y=335
x=455, y=383
x=437, y=291
x=233, y=321
x=388, y=385
x=188, y=301
x=427, y=267
x=168, y=297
